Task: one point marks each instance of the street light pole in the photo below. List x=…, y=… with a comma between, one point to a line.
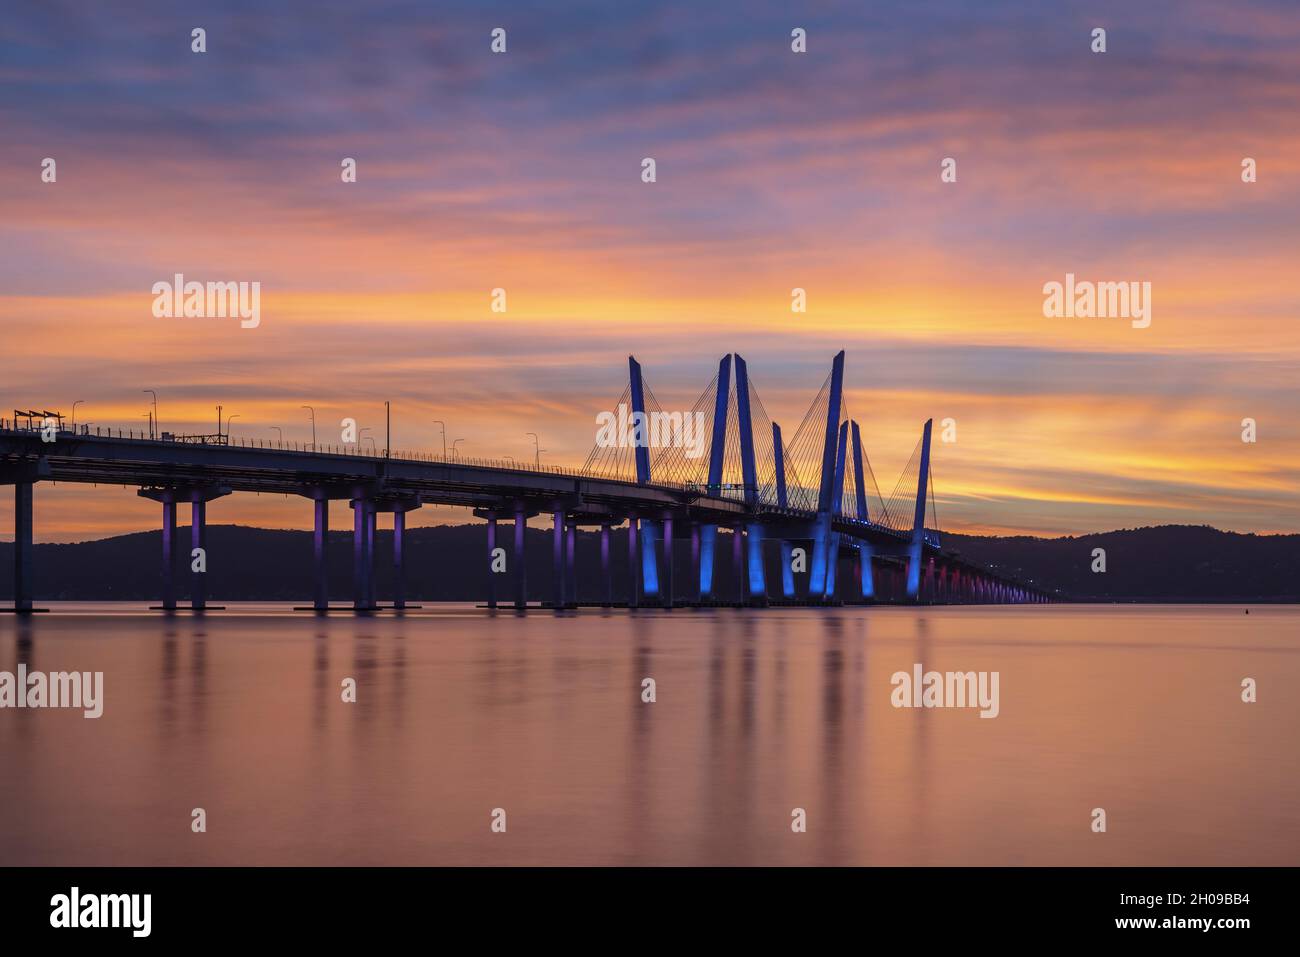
x=154, y=421
x=453, y=447
x=537, y=451
x=313, y=426
x=280, y=432
x=74, y=415
x=388, y=428
x=440, y=423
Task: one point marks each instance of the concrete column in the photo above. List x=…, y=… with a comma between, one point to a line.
x=632, y=560
x=571, y=565
x=23, y=584
x=360, y=555
x=320, y=542
x=832, y=564
x=521, y=565
x=399, y=566
x=198, y=539
x=557, y=560
x=787, y=570
x=668, y=561
x=168, y=562
x=491, y=575
x=695, y=559
x=372, y=523
x=606, y=573
x=738, y=561
x=757, y=574
x=866, y=572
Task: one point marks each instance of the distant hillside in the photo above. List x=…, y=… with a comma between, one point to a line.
x=1168, y=563
x=1164, y=563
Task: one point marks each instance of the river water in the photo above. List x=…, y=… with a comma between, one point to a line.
x=459, y=712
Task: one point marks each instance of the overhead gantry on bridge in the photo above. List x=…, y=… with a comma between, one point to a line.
x=810, y=493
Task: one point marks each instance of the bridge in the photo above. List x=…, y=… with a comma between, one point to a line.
x=721, y=465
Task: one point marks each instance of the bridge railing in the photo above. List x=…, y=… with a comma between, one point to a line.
x=345, y=449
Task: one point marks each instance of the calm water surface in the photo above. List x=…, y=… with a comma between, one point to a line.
x=1133, y=709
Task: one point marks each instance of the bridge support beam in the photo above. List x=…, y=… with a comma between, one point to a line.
x=695, y=558
x=708, y=545
x=521, y=565
x=668, y=561
x=199, y=542
x=362, y=555
x=557, y=559
x=649, y=561
x=632, y=584
x=738, y=562
x=571, y=564
x=606, y=573
x=832, y=565
x=754, y=567
x=491, y=559
x=320, y=545
x=918, y=517
x=399, y=557
x=23, y=582
x=787, y=570
x=866, y=571
x=717, y=448
x=372, y=524
x=168, y=545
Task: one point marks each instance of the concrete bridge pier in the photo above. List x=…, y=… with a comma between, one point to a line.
x=571, y=564
x=491, y=573
x=668, y=562
x=363, y=554
x=695, y=559
x=320, y=598
x=168, y=499
x=632, y=559
x=787, y=570
x=199, y=498
x=866, y=572
x=606, y=573
x=399, y=507
x=757, y=574
x=521, y=563
x=557, y=560
x=23, y=568
x=738, y=561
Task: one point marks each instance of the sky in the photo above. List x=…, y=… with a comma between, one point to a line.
x=775, y=170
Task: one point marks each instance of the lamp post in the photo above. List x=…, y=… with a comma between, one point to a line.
x=154, y=421
x=74, y=414
x=443, y=426
x=453, y=447
x=313, y=426
x=537, y=451
x=280, y=432
x=228, y=420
